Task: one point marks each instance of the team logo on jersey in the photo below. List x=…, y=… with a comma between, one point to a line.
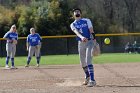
x=13, y=36
x=81, y=25
x=33, y=37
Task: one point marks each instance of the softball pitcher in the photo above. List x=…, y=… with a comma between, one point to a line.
x=83, y=28
x=33, y=44
x=11, y=36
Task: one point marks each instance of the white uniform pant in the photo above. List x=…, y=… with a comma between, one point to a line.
x=85, y=52
x=34, y=49
x=11, y=49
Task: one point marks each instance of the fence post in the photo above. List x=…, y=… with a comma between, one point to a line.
x=1, y=54
x=67, y=45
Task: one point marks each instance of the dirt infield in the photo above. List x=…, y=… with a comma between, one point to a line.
x=111, y=78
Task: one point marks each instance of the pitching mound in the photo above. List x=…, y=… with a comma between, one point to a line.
x=70, y=83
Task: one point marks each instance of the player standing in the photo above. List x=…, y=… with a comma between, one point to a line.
x=33, y=44
x=83, y=28
x=11, y=36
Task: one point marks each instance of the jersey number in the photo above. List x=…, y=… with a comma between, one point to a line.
x=80, y=31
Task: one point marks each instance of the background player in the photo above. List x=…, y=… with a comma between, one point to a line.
x=33, y=44
x=11, y=36
x=83, y=28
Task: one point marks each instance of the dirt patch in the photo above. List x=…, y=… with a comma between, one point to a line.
x=70, y=83
x=110, y=78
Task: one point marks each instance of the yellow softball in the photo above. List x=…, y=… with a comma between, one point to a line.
x=107, y=41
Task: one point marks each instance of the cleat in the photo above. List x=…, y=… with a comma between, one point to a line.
x=26, y=65
x=37, y=65
x=91, y=84
x=86, y=81
x=7, y=67
x=13, y=67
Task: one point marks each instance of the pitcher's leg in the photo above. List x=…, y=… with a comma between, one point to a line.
x=92, y=81
x=91, y=72
x=89, y=59
x=82, y=55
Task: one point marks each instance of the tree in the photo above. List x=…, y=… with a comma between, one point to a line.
x=132, y=8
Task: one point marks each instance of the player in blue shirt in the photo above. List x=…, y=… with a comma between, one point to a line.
x=11, y=36
x=33, y=44
x=83, y=28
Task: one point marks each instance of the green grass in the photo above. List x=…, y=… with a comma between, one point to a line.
x=74, y=59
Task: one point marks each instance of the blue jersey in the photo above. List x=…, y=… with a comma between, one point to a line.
x=34, y=39
x=11, y=36
x=82, y=26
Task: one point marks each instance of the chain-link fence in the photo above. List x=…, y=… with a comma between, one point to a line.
x=50, y=46
x=68, y=45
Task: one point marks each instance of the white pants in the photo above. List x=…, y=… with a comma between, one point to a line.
x=34, y=49
x=11, y=50
x=85, y=52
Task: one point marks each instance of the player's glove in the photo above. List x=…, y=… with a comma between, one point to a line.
x=96, y=49
x=38, y=46
x=14, y=42
x=83, y=39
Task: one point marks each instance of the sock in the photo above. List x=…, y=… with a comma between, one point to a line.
x=7, y=60
x=38, y=60
x=28, y=60
x=12, y=61
x=86, y=72
x=91, y=72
